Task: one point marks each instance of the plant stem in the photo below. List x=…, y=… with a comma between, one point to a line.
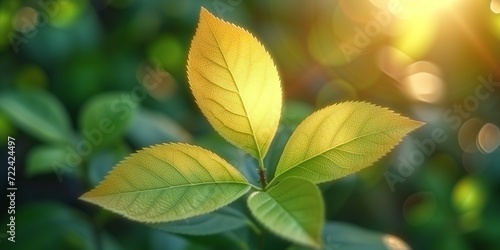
x=262, y=174
x=255, y=187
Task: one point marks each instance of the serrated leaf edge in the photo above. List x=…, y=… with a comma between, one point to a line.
x=317, y=241
x=83, y=198
x=261, y=154
x=418, y=123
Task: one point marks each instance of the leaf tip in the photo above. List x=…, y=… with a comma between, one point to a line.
x=204, y=13
x=419, y=123
x=85, y=197
x=414, y=124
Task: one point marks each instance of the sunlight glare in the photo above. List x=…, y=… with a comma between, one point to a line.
x=423, y=82
x=394, y=243
x=424, y=86
x=468, y=133
x=495, y=6
x=488, y=138
x=392, y=62
x=415, y=36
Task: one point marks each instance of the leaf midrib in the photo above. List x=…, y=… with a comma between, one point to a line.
x=171, y=187
x=291, y=215
x=238, y=90
x=339, y=145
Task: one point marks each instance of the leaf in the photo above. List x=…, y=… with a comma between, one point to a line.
x=293, y=209
x=41, y=159
x=161, y=241
x=235, y=84
x=340, y=140
x=169, y=182
x=343, y=236
x=39, y=113
x=105, y=118
x=236, y=239
x=219, y=221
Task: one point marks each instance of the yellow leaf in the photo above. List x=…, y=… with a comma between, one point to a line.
x=235, y=84
x=169, y=182
x=340, y=140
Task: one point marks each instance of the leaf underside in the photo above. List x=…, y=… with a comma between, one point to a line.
x=219, y=221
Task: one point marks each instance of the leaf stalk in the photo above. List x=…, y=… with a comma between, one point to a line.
x=262, y=174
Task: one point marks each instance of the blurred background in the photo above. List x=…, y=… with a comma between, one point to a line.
x=85, y=83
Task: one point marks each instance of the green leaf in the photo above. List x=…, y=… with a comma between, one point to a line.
x=169, y=182
x=340, y=140
x=343, y=236
x=41, y=159
x=149, y=128
x=219, y=221
x=162, y=241
x=39, y=113
x=292, y=209
x=235, y=84
x=234, y=240
x=105, y=118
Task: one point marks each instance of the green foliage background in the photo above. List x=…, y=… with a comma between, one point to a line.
x=85, y=62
